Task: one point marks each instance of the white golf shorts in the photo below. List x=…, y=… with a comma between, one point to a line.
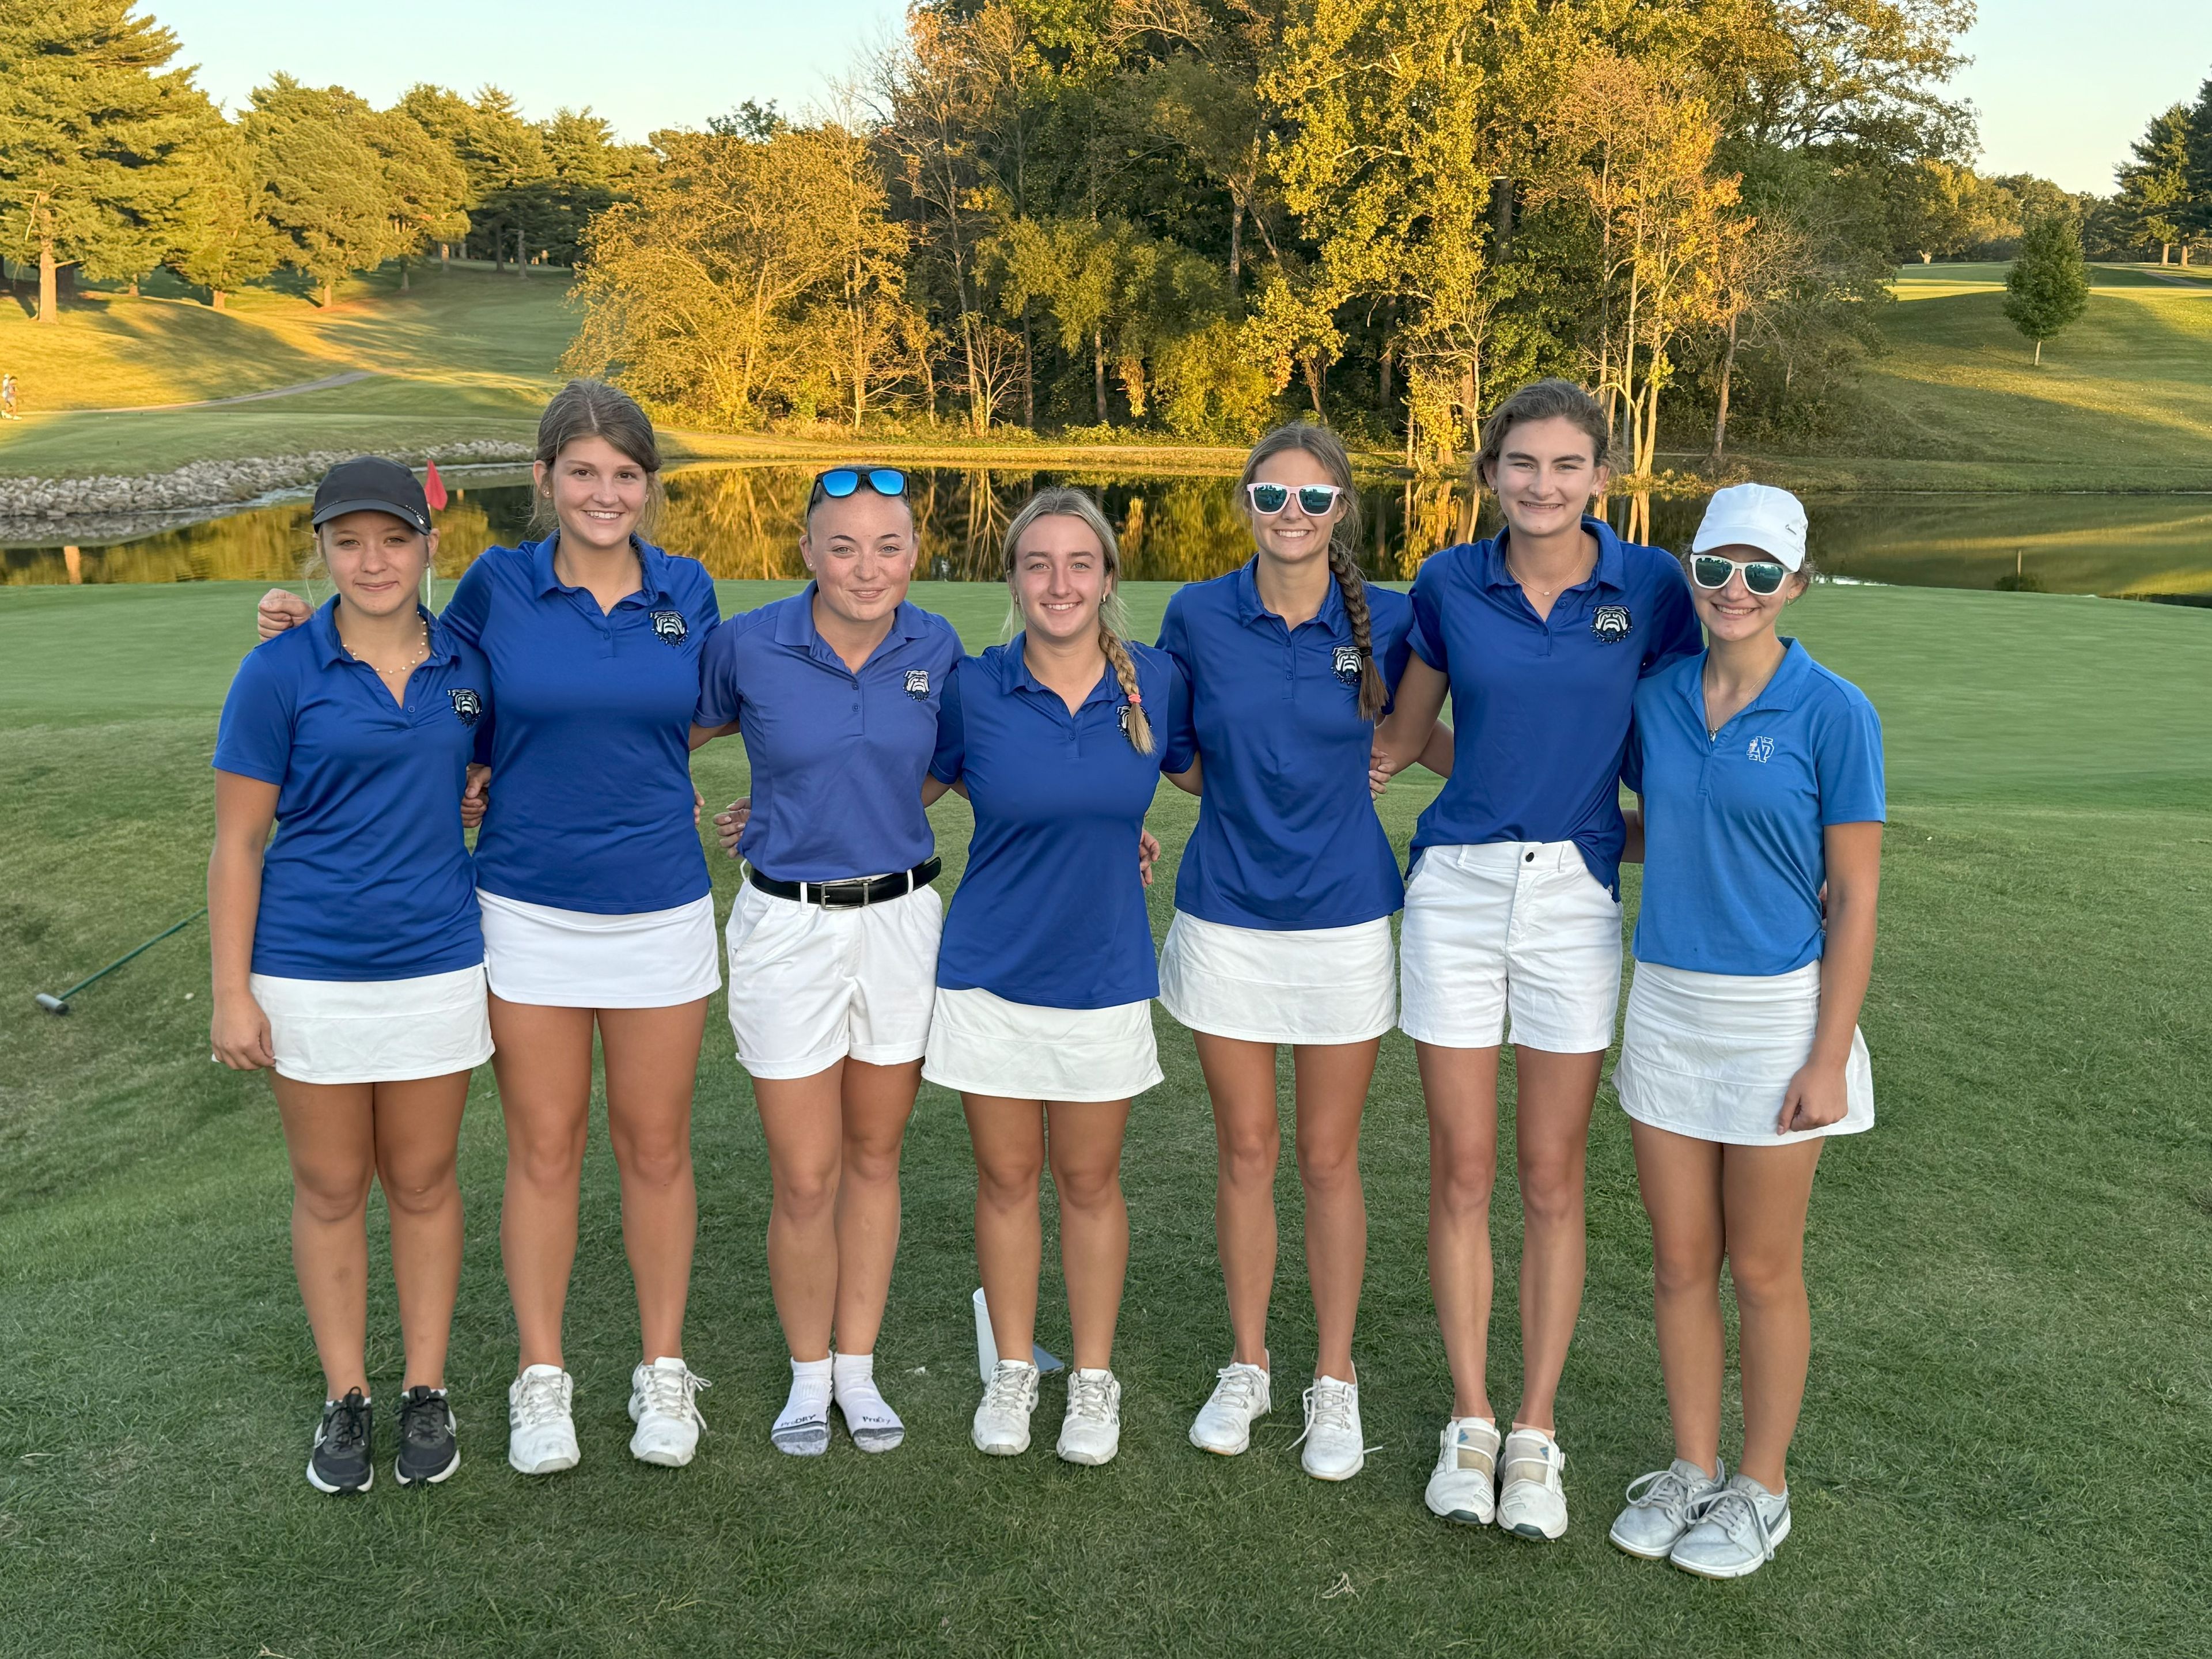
x=811, y=986
x=1512, y=936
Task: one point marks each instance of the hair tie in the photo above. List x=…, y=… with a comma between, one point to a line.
x=1136, y=696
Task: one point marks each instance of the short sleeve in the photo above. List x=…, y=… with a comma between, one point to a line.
x=1175, y=633
x=952, y=755
x=1426, y=639
x=254, y=736
x=1847, y=757
x=469, y=607
x=707, y=609
x=1396, y=650
x=1632, y=757
x=1177, y=734
x=1677, y=634
x=719, y=696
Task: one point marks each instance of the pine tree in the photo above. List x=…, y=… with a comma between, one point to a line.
x=91, y=131
x=2048, y=287
x=428, y=191
x=2196, y=212
x=2153, y=198
x=223, y=242
x=324, y=188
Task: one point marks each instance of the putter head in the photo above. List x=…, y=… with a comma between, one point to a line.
x=53, y=1004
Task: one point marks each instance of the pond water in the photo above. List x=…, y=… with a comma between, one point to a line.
x=744, y=521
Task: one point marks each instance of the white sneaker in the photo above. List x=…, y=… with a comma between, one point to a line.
x=1736, y=1531
x=1464, y=1487
x=1225, y=1421
x=541, y=1435
x=1335, y=1450
x=663, y=1403
x=1091, y=1432
x=1662, y=1507
x=1002, y=1421
x=1531, y=1501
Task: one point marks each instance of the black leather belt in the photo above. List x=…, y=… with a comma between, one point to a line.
x=850, y=895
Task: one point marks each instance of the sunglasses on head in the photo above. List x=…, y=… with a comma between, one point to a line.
x=1315, y=501
x=839, y=482
x=1761, y=576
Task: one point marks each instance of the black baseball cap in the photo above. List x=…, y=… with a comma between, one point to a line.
x=369, y=483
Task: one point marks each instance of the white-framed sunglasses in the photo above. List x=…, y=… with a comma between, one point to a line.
x=1760, y=576
x=1315, y=501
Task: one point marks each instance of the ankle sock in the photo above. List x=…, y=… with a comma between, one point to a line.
x=802, y=1427
x=869, y=1418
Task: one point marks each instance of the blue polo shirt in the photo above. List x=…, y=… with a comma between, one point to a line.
x=1540, y=705
x=837, y=758
x=1287, y=835
x=1733, y=853
x=368, y=877
x=590, y=797
x=1050, y=911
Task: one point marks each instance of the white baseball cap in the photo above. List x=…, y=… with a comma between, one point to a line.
x=1755, y=515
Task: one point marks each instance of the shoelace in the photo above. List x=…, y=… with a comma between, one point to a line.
x=348, y=1423
x=542, y=1400
x=1008, y=1388
x=1734, y=1512
x=422, y=1417
x=1090, y=1397
x=1664, y=1491
x=1237, y=1388
x=670, y=1393
x=1329, y=1407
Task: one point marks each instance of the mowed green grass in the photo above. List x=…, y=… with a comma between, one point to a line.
x=2006, y=1435
x=461, y=354
x=2122, y=399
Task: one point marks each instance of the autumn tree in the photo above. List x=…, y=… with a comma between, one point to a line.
x=92, y=129
x=751, y=278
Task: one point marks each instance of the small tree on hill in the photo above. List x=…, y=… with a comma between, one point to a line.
x=2048, y=287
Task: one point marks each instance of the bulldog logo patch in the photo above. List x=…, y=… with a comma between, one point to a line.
x=467, y=704
x=917, y=684
x=1121, y=717
x=1611, y=623
x=671, y=626
x=1344, y=662
x=1760, y=750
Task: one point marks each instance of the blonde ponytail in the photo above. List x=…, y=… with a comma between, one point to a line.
x=1135, y=724
x=1113, y=620
x=1374, y=694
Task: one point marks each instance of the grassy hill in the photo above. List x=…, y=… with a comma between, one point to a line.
x=2014, y=1260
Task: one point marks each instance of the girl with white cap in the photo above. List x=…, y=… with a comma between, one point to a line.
x=1760, y=774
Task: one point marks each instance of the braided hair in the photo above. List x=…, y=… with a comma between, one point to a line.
x=1113, y=622
x=1325, y=446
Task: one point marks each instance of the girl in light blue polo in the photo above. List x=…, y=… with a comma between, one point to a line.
x=1046, y=974
x=1760, y=773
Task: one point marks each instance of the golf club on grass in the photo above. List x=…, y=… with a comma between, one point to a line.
x=59, y=1005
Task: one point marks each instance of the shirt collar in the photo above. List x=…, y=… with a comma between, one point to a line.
x=332, y=650
x=1610, y=571
x=1251, y=608
x=652, y=565
x=1014, y=676
x=1779, y=696
x=795, y=623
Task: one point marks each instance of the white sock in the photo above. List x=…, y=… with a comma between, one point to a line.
x=858, y=1400
x=809, y=1395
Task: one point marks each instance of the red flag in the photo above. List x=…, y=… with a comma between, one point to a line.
x=433, y=489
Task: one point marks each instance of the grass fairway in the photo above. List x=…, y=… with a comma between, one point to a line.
x=467, y=354
x=2005, y=1440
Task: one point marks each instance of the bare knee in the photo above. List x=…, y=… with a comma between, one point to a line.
x=1008, y=1186
x=872, y=1160
x=1088, y=1187
x=1766, y=1279
x=1685, y=1267
x=1329, y=1172
x=330, y=1197
x=418, y=1187
x=656, y=1161
x=1552, y=1189
x=1462, y=1180
x=1248, y=1158
x=805, y=1193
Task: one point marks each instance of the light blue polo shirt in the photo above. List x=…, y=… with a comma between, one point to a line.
x=368, y=877
x=1540, y=705
x=1050, y=911
x=591, y=795
x=837, y=758
x=1287, y=835
x=1734, y=854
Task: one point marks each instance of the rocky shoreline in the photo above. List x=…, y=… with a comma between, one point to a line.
x=91, y=510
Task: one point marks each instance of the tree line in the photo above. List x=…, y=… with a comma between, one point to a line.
x=115, y=164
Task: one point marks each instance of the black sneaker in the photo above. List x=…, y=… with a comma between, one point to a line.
x=340, y=1462
x=428, y=1450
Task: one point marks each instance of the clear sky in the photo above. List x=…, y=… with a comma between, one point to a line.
x=2062, y=85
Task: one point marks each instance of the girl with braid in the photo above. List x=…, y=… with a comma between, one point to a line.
x=1045, y=974
x=1282, y=906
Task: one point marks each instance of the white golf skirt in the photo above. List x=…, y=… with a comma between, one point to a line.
x=383, y=1030
x=1317, y=985
x=981, y=1044
x=552, y=959
x=1711, y=1056
x=1509, y=928
x=810, y=985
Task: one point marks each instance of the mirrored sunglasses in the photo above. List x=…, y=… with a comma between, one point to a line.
x=840, y=482
x=1314, y=500
x=1761, y=576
